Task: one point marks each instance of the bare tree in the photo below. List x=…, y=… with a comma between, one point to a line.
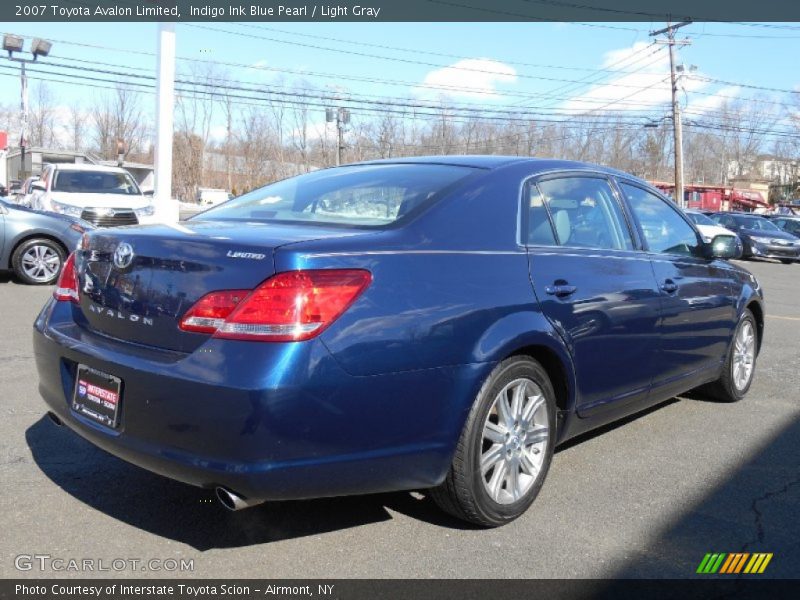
x=42, y=118
x=76, y=128
x=118, y=117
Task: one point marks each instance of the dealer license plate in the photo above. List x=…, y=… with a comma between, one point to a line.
x=97, y=395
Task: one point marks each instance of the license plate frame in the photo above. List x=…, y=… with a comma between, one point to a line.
x=96, y=396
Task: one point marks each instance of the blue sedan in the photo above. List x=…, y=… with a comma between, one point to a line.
x=432, y=323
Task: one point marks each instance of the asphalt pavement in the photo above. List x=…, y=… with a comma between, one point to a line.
x=645, y=498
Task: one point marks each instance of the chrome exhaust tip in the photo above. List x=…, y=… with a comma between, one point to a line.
x=233, y=501
x=54, y=418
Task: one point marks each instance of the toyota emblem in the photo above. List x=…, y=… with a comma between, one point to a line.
x=123, y=255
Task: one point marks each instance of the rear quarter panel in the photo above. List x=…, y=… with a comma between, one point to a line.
x=449, y=288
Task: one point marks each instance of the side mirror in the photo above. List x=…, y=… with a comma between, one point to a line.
x=724, y=246
x=38, y=185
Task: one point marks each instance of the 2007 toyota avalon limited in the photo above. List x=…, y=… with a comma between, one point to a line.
x=435, y=323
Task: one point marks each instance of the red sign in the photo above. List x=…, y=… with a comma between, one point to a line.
x=3, y=140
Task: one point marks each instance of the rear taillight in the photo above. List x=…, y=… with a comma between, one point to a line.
x=67, y=286
x=210, y=312
x=287, y=307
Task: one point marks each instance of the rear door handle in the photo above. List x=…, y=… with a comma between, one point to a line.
x=669, y=286
x=560, y=290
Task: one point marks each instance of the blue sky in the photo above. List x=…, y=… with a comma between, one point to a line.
x=743, y=54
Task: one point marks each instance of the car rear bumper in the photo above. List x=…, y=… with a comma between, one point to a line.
x=267, y=421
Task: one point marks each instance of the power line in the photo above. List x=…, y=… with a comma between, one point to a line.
x=374, y=56
x=262, y=102
x=745, y=85
x=404, y=108
x=390, y=82
x=412, y=50
x=259, y=102
x=225, y=83
x=595, y=79
x=326, y=75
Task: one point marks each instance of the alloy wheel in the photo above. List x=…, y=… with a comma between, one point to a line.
x=744, y=355
x=41, y=263
x=514, y=442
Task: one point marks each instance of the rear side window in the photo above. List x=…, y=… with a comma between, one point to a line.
x=665, y=231
x=359, y=195
x=577, y=212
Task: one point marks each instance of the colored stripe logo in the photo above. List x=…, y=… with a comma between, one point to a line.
x=733, y=563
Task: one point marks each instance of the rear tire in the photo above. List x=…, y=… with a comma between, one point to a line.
x=740, y=365
x=38, y=261
x=505, y=449
x=786, y=261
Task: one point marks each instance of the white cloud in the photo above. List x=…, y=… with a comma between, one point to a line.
x=469, y=78
x=645, y=86
x=708, y=103
x=218, y=133
x=316, y=129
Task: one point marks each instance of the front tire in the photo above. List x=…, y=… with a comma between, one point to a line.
x=505, y=449
x=38, y=261
x=786, y=261
x=740, y=365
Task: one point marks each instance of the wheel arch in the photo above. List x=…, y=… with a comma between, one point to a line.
x=540, y=342
x=33, y=236
x=556, y=370
x=755, y=307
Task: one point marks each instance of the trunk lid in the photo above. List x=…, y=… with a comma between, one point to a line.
x=141, y=298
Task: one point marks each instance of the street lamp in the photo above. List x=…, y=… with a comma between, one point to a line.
x=12, y=43
x=39, y=47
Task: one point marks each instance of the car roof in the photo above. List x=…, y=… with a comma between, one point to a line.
x=486, y=161
x=85, y=167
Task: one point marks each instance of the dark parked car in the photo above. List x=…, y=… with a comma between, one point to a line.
x=761, y=237
x=435, y=323
x=788, y=223
x=34, y=245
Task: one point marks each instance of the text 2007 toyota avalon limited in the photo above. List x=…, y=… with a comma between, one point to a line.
x=435, y=323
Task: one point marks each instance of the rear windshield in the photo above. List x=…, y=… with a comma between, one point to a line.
x=362, y=195
x=94, y=182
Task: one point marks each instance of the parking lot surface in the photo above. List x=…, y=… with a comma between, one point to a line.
x=645, y=498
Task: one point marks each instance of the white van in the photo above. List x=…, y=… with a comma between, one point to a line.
x=210, y=197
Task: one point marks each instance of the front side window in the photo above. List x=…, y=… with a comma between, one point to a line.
x=582, y=212
x=665, y=231
x=361, y=195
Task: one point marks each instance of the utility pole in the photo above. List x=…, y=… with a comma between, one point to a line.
x=23, y=128
x=677, y=127
x=165, y=106
x=342, y=117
